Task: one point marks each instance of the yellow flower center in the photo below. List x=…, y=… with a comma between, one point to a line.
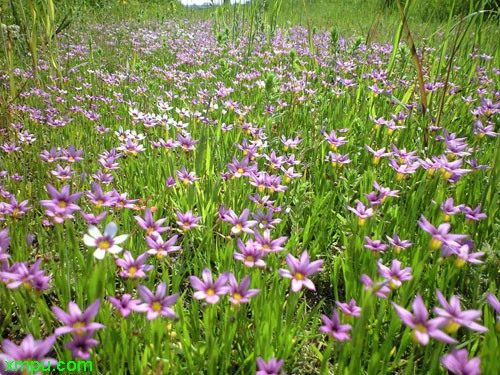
x=62, y=204
x=240, y=170
x=420, y=328
x=250, y=258
x=79, y=325
x=104, y=245
x=132, y=271
x=237, y=296
x=452, y=327
x=435, y=244
x=156, y=306
x=210, y=292
x=299, y=276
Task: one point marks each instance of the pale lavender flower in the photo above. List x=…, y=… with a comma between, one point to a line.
x=457, y=362
x=301, y=269
x=422, y=327
x=240, y=293
x=29, y=351
x=77, y=322
x=207, y=289
x=455, y=317
x=157, y=304
x=125, y=304
x=335, y=328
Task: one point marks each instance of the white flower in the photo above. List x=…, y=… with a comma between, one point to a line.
x=107, y=242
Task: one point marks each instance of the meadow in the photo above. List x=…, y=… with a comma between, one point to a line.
x=259, y=189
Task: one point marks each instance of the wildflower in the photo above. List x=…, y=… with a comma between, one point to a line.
x=440, y=234
x=151, y=227
x=92, y=219
x=422, y=327
x=272, y=367
x=349, y=309
x=157, y=304
x=493, y=301
x=16, y=208
x=240, y=223
x=240, y=293
x=375, y=245
x=77, y=322
x=80, y=345
x=395, y=273
x=121, y=200
x=62, y=205
x=464, y=255
x=398, y=243
x=207, y=289
x=50, y=156
x=133, y=268
x=474, y=214
x=265, y=221
x=104, y=243
x=185, y=177
x=335, y=328
x=188, y=220
x=29, y=351
x=449, y=209
x=71, y=154
x=99, y=198
x=457, y=363
x=243, y=168
x=161, y=248
x=28, y=276
x=455, y=317
x=380, y=289
x=250, y=254
x=125, y=304
x=362, y=212
x=301, y=269
x=265, y=243
x=4, y=244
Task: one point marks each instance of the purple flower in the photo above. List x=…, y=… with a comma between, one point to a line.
x=133, y=268
x=272, y=367
x=76, y=321
x=125, y=304
x=104, y=243
x=457, y=363
x=265, y=243
x=187, y=220
x=440, y=234
x=375, y=245
x=240, y=223
x=301, y=269
x=240, y=293
x=395, y=274
x=30, y=350
x=449, y=209
x=422, y=327
x=157, y=304
x=380, y=289
x=81, y=344
x=474, y=214
x=349, y=309
x=250, y=254
x=31, y=277
x=151, y=227
x=493, y=301
x=398, y=243
x=335, y=328
x=160, y=248
x=455, y=317
x=92, y=219
x=208, y=289
x=62, y=205
x=4, y=244
x=362, y=212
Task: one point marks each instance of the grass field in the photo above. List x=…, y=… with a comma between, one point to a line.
x=250, y=190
